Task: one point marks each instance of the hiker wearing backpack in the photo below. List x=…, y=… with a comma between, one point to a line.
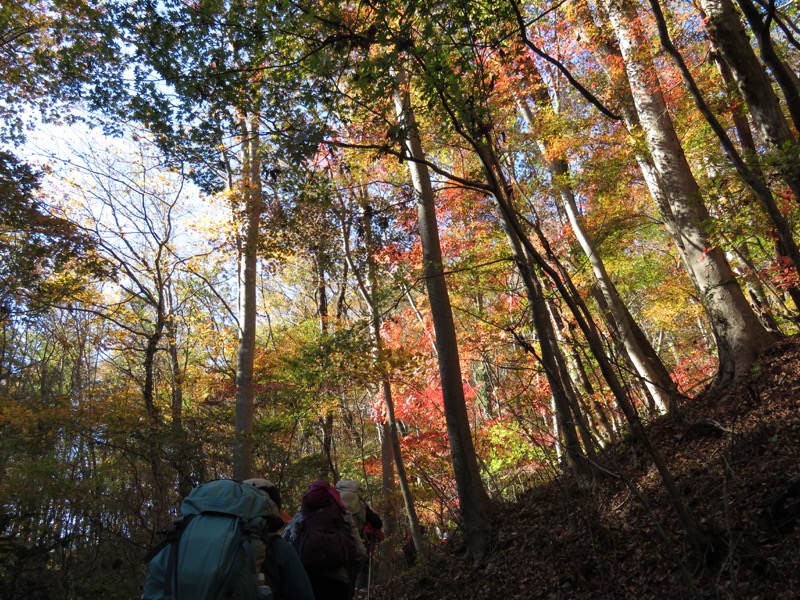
x=370, y=529
x=283, y=572
x=326, y=539
x=213, y=550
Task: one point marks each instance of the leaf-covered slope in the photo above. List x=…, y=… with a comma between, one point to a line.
x=736, y=458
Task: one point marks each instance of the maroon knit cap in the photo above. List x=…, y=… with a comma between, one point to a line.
x=319, y=494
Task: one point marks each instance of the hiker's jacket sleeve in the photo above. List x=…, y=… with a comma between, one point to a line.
x=285, y=573
x=361, y=551
x=290, y=531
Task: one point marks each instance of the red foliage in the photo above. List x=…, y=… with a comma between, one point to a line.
x=783, y=274
x=696, y=367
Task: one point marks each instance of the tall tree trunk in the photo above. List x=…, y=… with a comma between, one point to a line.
x=250, y=195
x=739, y=335
x=753, y=179
x=575, y=402
x=479, y=133
x=179, y=442
x=783, y=74
x=749, y=150
x=473, y=499
x=390, y=447
x=607, y=52
x=735, y=104
x=559, y=386
x=388, y=485
x=171, y=332
x=150, y=350
x=371, y=295
x=729, y=36
x=328, y=464
x=595, y=412
x=698, y=539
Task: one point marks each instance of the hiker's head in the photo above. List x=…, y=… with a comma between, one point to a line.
x=269, y=488
x=349, y=485
x=272, y=491
x=320, y=494
x=350, y=501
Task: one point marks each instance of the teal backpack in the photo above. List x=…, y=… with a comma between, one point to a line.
x=209, y=553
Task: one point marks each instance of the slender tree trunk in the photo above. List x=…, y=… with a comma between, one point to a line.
x=388, y=486
x=594, y=411
x=543, y=326
x=151, y=348
x=473, y=499
x=735, y=104
x=698, y=539
x=390, y=447
x=250, y=195
x=386, y=389
x=573, y=399
x=179, y=441
x=647, y=363
x=326, y=423
x=175, y=365
x=740, y=336
x=754, y=180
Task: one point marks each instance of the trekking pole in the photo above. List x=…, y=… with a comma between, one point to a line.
x=369, y=573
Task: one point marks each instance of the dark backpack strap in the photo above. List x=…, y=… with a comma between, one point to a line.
x=172, y=534
x=171, y=576
x=172, y=539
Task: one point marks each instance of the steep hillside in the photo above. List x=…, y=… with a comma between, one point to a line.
x=736, y=460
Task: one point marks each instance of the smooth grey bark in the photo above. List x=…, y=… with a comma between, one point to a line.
x=728, y=34
x=473, y=499
x=752, y=178
x=249, y=190
x=787, y=80
x=740, y=337
x=608, y=55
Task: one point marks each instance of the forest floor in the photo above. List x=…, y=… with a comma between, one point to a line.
x=735, y=458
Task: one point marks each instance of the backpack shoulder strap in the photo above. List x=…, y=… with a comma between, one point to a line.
x=172, y=533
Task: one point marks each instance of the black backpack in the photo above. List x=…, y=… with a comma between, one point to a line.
x=323, y=539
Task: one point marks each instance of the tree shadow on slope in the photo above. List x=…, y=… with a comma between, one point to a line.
x=736, y=460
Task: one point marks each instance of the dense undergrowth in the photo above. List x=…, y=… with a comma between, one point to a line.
x=736, y=459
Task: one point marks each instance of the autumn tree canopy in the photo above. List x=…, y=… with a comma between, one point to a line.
x=451, y=250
